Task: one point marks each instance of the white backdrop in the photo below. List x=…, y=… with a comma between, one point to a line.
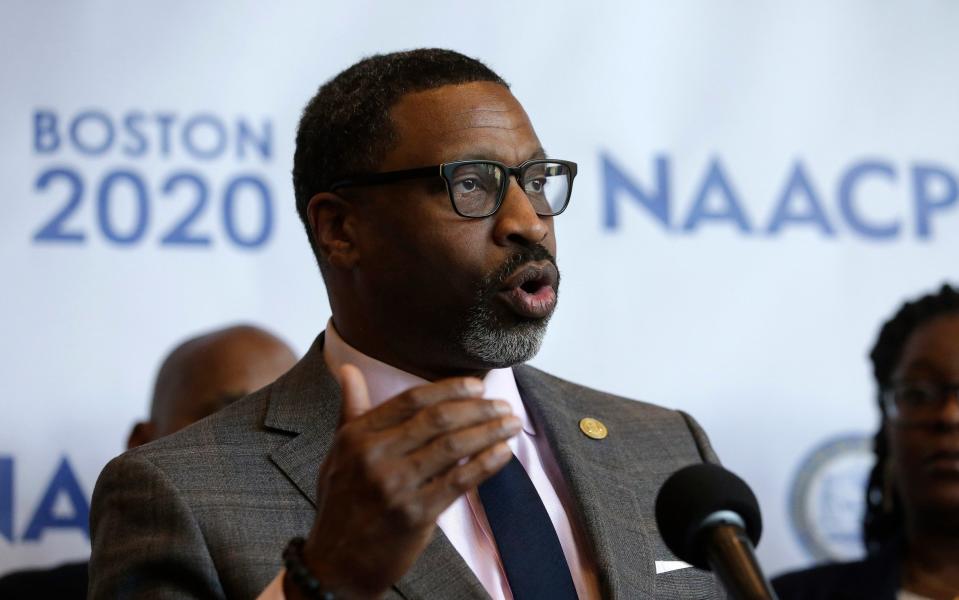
x=761, y=183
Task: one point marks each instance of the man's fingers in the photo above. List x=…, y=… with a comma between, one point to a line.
x=402, y=407
x=356, y=397
x=438, y=494
x=446, y=450
x=440, y=419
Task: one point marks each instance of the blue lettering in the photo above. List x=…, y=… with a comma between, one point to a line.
x=245, y=136
x=64, y=482
x=846, y=187
x=810, y=211
x=6, y=498
x=262, y=192
x=46, y=140
x=56, y=230
x=87, y=146
x=212, y=124
x=132, y=123
x=141, y=207
x=165, y=120
x=730, y=209
x=923, y=177
x=615, y=181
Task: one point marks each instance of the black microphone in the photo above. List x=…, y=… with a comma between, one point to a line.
x=710, y=518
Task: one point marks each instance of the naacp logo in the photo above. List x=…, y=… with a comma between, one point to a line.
x=828, y=498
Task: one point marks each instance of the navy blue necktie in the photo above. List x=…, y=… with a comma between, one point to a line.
x=528, y=545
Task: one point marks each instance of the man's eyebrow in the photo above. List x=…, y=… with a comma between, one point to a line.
x=539, y=153
x=490, y=154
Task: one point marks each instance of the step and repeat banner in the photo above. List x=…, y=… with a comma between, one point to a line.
x=761, y=184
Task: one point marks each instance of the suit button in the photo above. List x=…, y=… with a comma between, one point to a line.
x=593, y=428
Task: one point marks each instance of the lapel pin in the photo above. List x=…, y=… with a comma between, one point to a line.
x=593, y=428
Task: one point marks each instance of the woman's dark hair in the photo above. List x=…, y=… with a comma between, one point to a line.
x=883, y=520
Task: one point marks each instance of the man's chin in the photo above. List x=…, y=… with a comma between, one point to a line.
x=505, y=344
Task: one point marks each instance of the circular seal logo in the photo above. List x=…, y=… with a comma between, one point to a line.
x=827, y=500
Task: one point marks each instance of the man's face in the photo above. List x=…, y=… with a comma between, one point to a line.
x=456, y=293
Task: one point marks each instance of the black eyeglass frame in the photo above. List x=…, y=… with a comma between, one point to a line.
x=943, y=391
x=445, y=171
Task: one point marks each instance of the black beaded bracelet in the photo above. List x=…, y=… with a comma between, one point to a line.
x=301, y=576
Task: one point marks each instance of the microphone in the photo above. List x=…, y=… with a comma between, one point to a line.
x=710, y=518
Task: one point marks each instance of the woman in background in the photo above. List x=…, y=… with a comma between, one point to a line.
x=911, y=525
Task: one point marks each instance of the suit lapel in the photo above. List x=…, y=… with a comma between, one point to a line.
x=609, y=511
x=306, y=402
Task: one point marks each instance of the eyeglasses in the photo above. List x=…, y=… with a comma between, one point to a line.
x=477, y=187
x=917, y=400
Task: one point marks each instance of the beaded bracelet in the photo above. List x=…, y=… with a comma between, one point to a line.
x=301, y=576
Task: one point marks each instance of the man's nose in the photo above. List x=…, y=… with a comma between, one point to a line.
x=517, y=221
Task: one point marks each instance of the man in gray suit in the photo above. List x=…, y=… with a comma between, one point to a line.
x=411, y=447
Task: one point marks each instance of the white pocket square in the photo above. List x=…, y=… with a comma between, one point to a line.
x=665, y=566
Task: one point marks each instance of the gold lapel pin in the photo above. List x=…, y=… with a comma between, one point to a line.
x=593, y=428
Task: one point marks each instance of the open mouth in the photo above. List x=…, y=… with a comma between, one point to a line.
x=530, y=291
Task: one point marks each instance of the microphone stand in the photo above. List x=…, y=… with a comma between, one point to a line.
x=731, y=557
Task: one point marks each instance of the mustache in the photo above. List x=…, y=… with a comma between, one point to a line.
x=527, y=254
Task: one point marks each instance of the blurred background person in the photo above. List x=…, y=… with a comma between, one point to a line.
x=911, y=523
x=199, y=377
x=208, y=372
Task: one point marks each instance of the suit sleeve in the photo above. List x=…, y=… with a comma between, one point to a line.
x=706, y=451
x=146, y=542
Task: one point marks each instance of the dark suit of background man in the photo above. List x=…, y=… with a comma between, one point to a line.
x=199, y=377
x=411, y=447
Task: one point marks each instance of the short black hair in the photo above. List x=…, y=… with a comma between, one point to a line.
x=345, y=128
x=883, y=520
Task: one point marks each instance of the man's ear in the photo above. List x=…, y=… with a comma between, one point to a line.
x=142, y=433
x=331, y=221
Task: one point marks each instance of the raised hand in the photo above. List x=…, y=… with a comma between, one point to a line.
x=392, y=471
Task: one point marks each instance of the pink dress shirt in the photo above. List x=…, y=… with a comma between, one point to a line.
x=464, y=522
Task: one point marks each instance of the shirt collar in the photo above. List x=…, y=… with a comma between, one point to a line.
x=385, y=381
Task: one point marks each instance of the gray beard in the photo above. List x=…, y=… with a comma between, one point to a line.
x=497, y=341
x=487, y=339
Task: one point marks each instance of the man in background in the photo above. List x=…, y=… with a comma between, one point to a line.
x=198, y=378
x=208, y=372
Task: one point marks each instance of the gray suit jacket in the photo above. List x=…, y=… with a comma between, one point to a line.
x=206, y=512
